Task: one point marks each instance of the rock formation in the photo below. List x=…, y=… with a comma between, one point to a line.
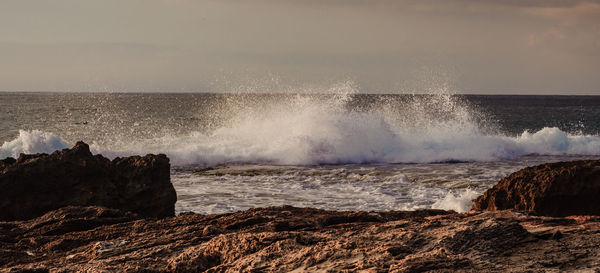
x=35, y=184
x=61, y=233
x=288, y=239
x=554, y=189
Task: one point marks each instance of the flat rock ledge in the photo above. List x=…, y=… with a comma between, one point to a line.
x=289, y=239
x=33, y=185
x=553, y=189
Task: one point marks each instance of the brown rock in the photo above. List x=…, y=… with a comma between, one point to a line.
x=424, y=241
x=35, y=184
x=554, y=189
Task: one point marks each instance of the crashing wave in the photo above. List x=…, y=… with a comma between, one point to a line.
x=31, y=142
x=332, y=129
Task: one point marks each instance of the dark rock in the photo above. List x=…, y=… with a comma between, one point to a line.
x=554, y=189
x=71, y=219
x=35, y=184
x=6, y=162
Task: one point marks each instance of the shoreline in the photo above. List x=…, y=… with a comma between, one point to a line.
x=90, y=214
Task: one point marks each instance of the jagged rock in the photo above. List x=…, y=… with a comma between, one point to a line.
x=6, y=162
x=554, y=189
x=35, y=184
x=422, y=241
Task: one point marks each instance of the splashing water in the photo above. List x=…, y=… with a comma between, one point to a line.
x=460, y=201
x=31, y=142
x=337, y=127
x=311, y=137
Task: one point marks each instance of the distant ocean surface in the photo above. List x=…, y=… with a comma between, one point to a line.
x=339, y=150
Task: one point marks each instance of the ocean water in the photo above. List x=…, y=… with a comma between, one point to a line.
x=333, y=149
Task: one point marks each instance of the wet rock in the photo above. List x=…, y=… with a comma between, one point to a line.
x=554, y=189
x=35, y=184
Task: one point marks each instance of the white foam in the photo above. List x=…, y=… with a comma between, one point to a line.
x=552, y=141
x=314, y=129
x=31, y=142
x=460, y=201
x=328, y=188
x=307, y=130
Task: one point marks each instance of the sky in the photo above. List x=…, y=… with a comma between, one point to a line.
x=379, y=46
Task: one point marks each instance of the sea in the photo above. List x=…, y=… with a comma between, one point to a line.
x=333, y=149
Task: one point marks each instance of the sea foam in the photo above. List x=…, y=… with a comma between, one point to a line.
x=30, y=142
x=459, y=201
x=310, y=130
x=331, y=129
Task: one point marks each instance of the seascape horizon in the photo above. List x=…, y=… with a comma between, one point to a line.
x=339, y=150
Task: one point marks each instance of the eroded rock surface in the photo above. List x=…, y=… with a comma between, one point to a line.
x=288, y=239
x=35, y=184
x=553, y=189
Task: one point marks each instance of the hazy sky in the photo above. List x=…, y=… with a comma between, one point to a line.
x=489, y=46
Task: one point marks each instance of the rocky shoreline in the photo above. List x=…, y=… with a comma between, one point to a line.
x=519, y=231
x=35, y=184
